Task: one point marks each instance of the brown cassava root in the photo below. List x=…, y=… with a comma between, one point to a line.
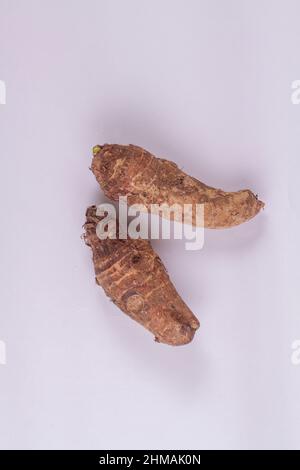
x=128, y=170
x=133, y=276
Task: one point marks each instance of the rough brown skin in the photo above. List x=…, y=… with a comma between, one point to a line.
x=133, y=276
x=128, y=170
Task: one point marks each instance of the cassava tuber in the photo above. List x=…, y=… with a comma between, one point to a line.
x=128, y=170
x=133, y=276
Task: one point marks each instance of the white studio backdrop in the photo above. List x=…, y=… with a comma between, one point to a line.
x=207, y=84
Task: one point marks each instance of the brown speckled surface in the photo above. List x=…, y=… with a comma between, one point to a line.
x=128, y=170
x=133, y=276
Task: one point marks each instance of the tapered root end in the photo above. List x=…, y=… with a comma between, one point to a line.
x=260, y=205
x=179, y=334
x=250, y=206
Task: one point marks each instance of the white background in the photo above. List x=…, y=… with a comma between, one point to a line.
x=208, y=85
